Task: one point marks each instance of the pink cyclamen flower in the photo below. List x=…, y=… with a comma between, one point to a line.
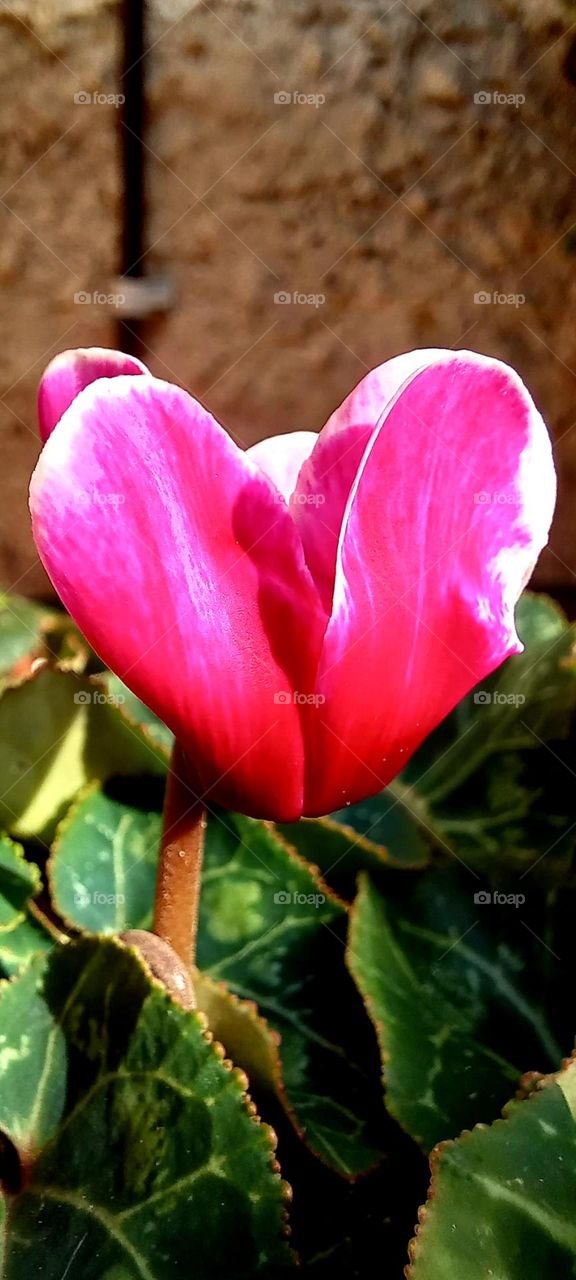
x=304, y=613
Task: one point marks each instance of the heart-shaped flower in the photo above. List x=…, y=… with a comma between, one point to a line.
x=301, y=614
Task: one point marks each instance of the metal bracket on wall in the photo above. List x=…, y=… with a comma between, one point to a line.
x=140, y=296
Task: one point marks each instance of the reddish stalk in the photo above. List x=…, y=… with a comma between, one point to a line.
x=180, y=867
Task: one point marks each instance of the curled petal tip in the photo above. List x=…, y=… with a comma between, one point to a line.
x=70, y=372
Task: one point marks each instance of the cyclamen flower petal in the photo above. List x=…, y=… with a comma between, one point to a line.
x=69, y=372
x=448, y=512
x=182, y=566
x=327, y=476
x=282, y=457
x=302, y=614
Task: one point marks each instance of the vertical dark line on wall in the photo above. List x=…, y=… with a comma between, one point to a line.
x=133, y=124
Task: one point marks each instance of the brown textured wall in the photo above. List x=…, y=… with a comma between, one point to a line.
x=59, y=200
x=392, y=194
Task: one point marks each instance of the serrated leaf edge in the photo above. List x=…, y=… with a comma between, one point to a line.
x=519, y=1100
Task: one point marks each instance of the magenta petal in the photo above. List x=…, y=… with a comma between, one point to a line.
x=368, y=400
x=182, y=566
x=446, y=517
x=281, y=457
x=69, y=372
x=327, y=476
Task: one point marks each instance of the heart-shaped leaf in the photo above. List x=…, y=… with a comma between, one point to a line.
x=271, y=932
x=30, y=631
x=478, y=781
x=22, y=633
x=139, y=1155
x=102, y=868
x=57, y=733
x=465, y=992
x=237, y=1024
x=137, y=710
x=21, y=933
x=381, y=833
x=270, y=928
x=532, y=693
x=502, y=1199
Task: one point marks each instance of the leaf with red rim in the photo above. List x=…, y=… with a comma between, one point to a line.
x=138, y=1147
x=502, y=1198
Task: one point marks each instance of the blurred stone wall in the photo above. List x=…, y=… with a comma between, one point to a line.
x=405, y=166
x=60, y=191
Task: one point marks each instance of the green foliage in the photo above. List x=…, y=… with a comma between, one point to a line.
x=387, y=977
x=496, y=779
x=502, y=1199
x=58, y=732
x=271, y=932
x=21, y=632
x=379, y=835
x=138, y=1150
x=21, y=933
x=103, y=864
x=462, y=997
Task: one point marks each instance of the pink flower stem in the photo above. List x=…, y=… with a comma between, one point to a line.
x=180, y=868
